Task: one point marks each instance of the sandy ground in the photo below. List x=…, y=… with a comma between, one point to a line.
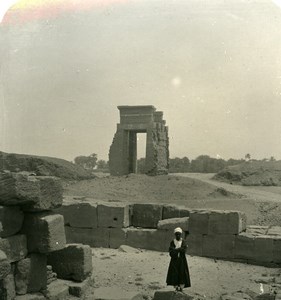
x=146, y=271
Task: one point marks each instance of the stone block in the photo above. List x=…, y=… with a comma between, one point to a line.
x=73, y=262
x=263, y=249
x=174, y=211
x=114, y=215
x=95, y=237
x=34, y=193
x=79, y=289
x=11, y=219
x=117, y=237
x=166, y=294
x=31, y=274
x=5, y=265
x=80, y=215
x=146, y=215
x=257, y=230
x=198, y=221
x=33, y=296
x=276, y=252
x=226, y=222
x=7, y=287
x=218, y=246
x=195, y=244
x=116, y=293
x=45, y=232
x=15, y=247
x=150, y=239
x=56, y=290
x=128, y=249
x=244, y=246
x=171, y=224
x=274, y=230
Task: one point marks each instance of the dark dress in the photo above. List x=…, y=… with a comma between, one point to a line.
x=178, y=272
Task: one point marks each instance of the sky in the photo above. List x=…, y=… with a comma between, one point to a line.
x=213, y=68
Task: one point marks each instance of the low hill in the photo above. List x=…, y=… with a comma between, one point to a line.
x=255, y=173
x=42, y=165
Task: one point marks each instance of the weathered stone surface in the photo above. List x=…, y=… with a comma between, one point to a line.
x=79, y=289
x=72, y=262
x=219, y=246
x=117, y=237
x=265, y=296
x=7, y=287
x=32, y=192
x=113, y=215
x=95, y=237
x=35, y=296
x=171, y=224
x=195, y=244
x=14, y=247
x=80, y=215
x=116, y=293
x=171, y=295
x=226, y=222
x=150, y=239
x=128, y=249
x=244, y=246
x=236, y=296
x=45, y=232
x=263, y=249
x=56, y=290
x=30, y=274
x=146, y=215
x=11, y=219
x=276, y=251
x=257, y=230
x=175, y=211
x=274, y=230
x=5, y=266
x=198, y=222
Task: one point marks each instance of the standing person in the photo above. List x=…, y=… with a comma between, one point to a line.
x=178, y=273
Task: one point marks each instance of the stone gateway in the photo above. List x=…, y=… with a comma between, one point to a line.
x=123, y=150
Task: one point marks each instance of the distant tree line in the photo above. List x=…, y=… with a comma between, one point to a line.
x=91, y=163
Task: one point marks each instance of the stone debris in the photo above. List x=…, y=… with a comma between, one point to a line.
x=115, y=293
x=128, y=249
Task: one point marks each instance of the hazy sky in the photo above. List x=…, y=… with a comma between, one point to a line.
x=213, y=67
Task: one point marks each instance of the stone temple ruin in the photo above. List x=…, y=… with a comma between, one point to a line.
x=123, y=151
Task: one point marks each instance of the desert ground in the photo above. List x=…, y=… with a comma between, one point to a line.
x=145, y=271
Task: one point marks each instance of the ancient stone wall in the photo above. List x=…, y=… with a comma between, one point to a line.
x=123, y=151
x=33, y=249
x=212, y=233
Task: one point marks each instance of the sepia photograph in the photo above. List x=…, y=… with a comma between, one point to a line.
x=140, y=149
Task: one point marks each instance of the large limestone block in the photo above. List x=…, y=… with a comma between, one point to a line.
x=72, y=262
x=274, y=230
x=198, y=221
x=171, y=224
x=45, y=232
x=31, y=192
x=80, y=215
x=14, y=247
x=146, y=215
x=56, y=290
x=276, y=251
x=226, y=222
x=7, y=288
x=117, y=237
x=79, y=289
x=167, y=294
x=5, y=266
x=257, y=230
x=244, y=246
x=150, y=239
x=11, y=219
x=218, y=246
x=116, y=293
x=31, y=274
x=263, y=249
x=94, y=237
x=174, y=211
x=115, y=215
x=195, y=244
x=35, y=296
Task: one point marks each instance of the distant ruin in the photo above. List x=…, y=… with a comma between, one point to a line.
x=123, y=150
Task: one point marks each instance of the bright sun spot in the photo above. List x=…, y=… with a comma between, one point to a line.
x=4, y=6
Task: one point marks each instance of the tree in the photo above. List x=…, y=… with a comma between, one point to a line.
x=248, y=156
x=102, y=164
x=87, y=162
